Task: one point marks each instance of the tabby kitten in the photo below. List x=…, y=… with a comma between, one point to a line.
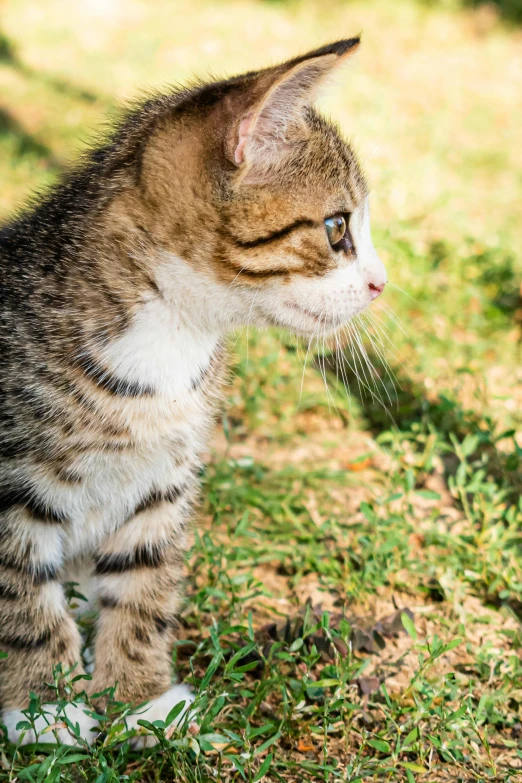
x=226, y=204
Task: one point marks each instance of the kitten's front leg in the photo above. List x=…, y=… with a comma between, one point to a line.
x=139, y=574
x=36, y=630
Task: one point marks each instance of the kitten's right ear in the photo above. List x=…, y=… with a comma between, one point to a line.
x=275, y=120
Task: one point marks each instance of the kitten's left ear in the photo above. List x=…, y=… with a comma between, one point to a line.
x=275, y=121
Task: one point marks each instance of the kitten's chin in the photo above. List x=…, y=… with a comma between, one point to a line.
x=305, y=322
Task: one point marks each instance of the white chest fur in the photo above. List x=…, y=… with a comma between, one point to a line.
x=161, y=351
x=113, y=485
x=166, y=427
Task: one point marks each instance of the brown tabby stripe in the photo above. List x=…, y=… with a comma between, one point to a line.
x=8, y=593
x=255, y=274
x=10, y=449
x=164, y=623
x=111, y=383
x=141, y=634
x=161, y=622
x=108, y=602
x=133, y=655
x=155, y=497
x=142, y=557
x=10, y=498
x=19, y=642
x=37, y=573
x=274, y=236
x=68, y=475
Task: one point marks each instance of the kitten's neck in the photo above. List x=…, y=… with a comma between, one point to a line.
x=165, y=348
x=201, y=303
x=174, y=332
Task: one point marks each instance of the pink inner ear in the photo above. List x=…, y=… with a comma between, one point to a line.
x=244, y=127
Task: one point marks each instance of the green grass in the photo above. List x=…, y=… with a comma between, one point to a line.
x=354, y=595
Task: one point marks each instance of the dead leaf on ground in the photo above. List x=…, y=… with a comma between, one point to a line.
x=359, y=465
x=367, y=685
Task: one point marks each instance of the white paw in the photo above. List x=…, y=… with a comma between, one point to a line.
x=51, y=726
x=158, y=709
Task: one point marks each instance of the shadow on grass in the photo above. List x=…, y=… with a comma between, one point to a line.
x=26, y=144
x=499, y=276
x=412, y=406
x=496, y=273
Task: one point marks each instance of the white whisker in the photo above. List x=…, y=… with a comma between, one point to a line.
x=382, y=356
x=304, y=369
x=395, y=318
x=360, y=382
x=340, y=362
x=371, y=369
x=404, y=292
x=353, y=368
x=322, y=367
x=248, y=326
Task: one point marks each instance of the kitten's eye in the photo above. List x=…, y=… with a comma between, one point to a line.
x=338, y=232
x=335, y=228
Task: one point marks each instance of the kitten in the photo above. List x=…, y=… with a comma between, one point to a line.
x=225, y=204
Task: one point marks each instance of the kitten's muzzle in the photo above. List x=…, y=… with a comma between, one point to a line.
x=376, y=290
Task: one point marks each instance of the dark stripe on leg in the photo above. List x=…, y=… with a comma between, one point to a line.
x=142, y=557
x=12, y=497
x=156, y=497
x=25, y=642
x=38, y=574
x=133, y=655
x=108, y=602
x=164, y=623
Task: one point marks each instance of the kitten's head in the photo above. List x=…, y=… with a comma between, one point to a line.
x=265, y=201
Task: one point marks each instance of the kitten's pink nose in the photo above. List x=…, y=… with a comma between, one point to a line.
x=376, y=290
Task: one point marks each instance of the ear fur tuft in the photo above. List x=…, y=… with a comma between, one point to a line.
x=342, y=48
